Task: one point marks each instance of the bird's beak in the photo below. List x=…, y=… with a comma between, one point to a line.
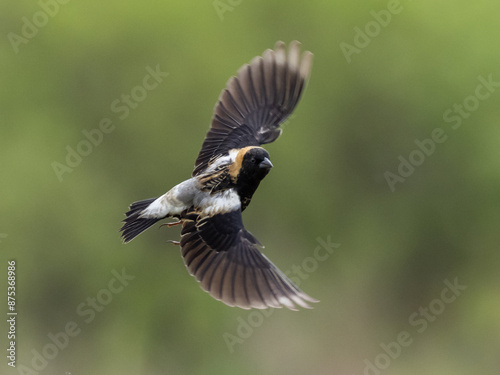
x=266, y=163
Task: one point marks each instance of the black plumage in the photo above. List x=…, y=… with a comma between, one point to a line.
x=255, y=102
x=223, y=257
x=133, y=224
x=217, y=249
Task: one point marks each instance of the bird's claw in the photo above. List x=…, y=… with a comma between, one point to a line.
x=172, y=223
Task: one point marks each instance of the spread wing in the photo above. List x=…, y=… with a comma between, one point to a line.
x=256, y=101
x=223, y=257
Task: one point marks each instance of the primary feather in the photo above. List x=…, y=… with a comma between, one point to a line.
x=255, y=102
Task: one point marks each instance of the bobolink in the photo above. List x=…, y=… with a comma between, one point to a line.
x=216, y=247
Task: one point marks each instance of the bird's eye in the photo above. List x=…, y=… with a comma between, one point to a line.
x=253, y=160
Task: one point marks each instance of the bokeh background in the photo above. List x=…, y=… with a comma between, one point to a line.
x=360, y=113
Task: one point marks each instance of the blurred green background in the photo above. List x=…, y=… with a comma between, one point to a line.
x=362, y=113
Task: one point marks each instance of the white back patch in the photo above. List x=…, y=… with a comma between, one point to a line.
x=219, y=203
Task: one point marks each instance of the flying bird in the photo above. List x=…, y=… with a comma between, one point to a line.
x=217, y=249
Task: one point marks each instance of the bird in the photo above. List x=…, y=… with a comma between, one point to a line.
x=216, y=248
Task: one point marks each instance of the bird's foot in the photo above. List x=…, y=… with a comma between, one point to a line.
x=174, y=223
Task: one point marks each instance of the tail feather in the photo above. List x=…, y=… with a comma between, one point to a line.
x=135, y=225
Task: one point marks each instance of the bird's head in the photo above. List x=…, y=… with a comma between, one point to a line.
x=252, y=164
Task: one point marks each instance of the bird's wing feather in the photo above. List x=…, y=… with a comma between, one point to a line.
x=223, y=257
x=255, y=102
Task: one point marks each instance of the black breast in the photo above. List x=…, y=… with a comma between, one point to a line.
x=247, y=183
